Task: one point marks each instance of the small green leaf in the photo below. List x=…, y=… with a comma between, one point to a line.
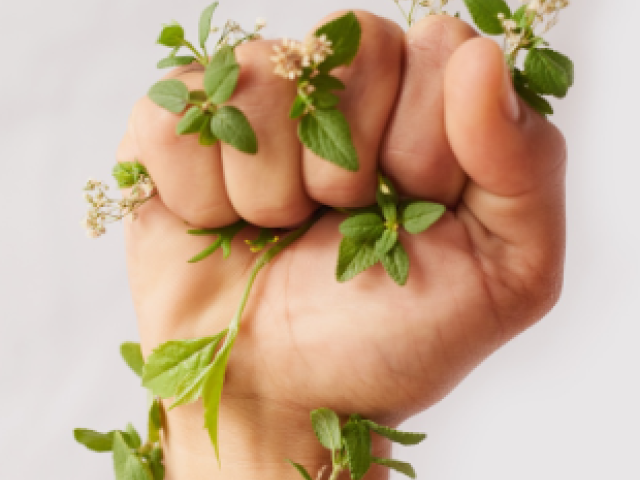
x=301, y=470
x=485, y=14
x=155, y=421
x=327, y=134
x=127, y=465
x=220, y=83
x=225, y=237
x=231, y=126
x=354, y=258
x=326, y=426
x=323, y=100
x=172, y=95
x=98, y=442
x=212, y=393
x=534, y=100
x=362, y=227
x=397, y=436
x=396, y=465
x=176, y=61
x=357, y=443
x=520, y=16
x=132, y=355
x=198, y=96
x=190, y=389
x=386, y=242
x=155, y=463
x=224, y=57
x=204, y=29
x=396, y=264
x=127, y=174
x=345, y=34
x=207, y=138
x=170, y=362
x=133, y=438
x=192, y=121
x=298, y=109
x=419, y=216
x=548, y=72
x=326, y=82
x=171, y=35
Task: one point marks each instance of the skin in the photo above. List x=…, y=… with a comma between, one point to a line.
x=432, y=108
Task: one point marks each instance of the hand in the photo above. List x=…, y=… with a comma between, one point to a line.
x=435, y=111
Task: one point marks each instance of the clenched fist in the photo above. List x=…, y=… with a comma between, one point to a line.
x=435, y=111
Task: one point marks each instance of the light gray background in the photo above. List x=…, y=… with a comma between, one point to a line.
x=560, y=402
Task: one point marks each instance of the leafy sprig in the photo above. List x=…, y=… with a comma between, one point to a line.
x=132, y=459
x=350, y=445
x=371, y=235
x=322, y=128
x=205, y=113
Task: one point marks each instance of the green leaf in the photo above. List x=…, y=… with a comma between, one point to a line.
x=534, y=100
x=155, y=421
x=132, y=355
x=326, y=426
x=198, y=96
x=133, y=438
x=301, y=470
x=387, y=199
x=127, y=465
x=548, y=72
x=397, y=436
x=327, y=134
x=396, y=465
x=231, y=126
x=419, y=216
x=386, y=242
x=362, y=227
x=520, y=16
x=172, y=95
x=225, y=237
x=212, y=393
x=223, y=58
x=396, y=264
x=485, y=14
x=220, y=83
x=167, y=365
x=357, y=443
x=98, y=442
x=323, y=100
x=127, y=174
x=354, y=258
x=326, y=82
x=192, y=122
x=176, y=61
x=205, y=24
x=298, y=109
x=207, y=138
x=190, y=389
x=155, y=463
x=171, y=35
x=345, y=34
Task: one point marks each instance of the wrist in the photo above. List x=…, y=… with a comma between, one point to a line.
x=256, y=438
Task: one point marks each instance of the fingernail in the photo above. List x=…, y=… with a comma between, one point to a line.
x=510, y=97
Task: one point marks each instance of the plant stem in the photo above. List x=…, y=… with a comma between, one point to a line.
x=337, y=470
x=201, y=60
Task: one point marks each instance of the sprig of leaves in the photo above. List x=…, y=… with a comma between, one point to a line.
x=205, y=113
x=351, y=444
x=323, y=128
x=546, y=71
x=132, y=459
x=372, y=236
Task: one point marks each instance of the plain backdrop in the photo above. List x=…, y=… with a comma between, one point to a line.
x=559, y=402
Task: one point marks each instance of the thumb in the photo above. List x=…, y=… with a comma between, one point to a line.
x=513, y=204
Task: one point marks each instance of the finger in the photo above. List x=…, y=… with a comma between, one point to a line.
x=514, y=203
x=266, y=189
x=416, y=153
x=188, y=176
x=372, y=83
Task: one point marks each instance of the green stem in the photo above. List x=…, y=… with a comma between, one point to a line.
x=264, y=259
x=337, y=470
x=201, y=60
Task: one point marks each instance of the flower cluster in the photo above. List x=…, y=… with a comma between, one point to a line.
x=420, y=8
x=292, y=57
x=103, y=210
x=540, y=16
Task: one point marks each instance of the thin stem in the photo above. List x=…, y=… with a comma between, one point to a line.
x=337, y=470
x=404, y=14
x=201, y=60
